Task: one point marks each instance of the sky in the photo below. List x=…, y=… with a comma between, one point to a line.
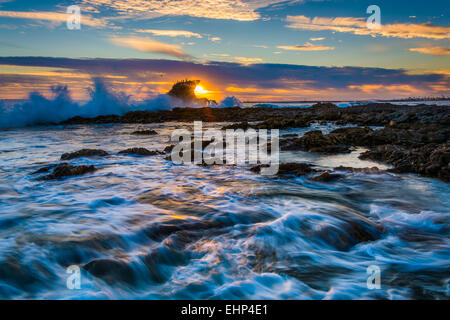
x=258, y=50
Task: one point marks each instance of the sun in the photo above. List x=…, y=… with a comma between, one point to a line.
x=199, y=90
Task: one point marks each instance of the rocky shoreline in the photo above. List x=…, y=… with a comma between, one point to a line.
x=413, y=139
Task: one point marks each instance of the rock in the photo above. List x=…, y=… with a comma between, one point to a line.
x=273, y=123
x=348, y=136
x=66, y=170
x=241, y=125
x=290, y=135
x=373, y=170
x=296, y=169
x=324, y=106
x=184, y=90
x=169, y=148
x=315, y=141
x=331, y=149
x=84, y=153
x=348, y=233
x=430, y=160
x=140, y=152
x=111, y=271
x=144, y=132
x=326, y=177
x=280, y=123
x=44, y=169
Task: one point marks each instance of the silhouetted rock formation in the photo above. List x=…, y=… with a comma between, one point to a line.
x=66, y=170
x=84, y=153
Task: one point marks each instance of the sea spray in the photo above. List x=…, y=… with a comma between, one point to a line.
x=39, y=110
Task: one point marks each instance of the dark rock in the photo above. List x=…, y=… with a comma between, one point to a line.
x=44, y=169
x=430, y=160
x=184, y=90
x=144, y=132
x=323, y=106
x=273, y=123
x=326, y=177
x=241, y=125
x=66, y=170
x=289, y=135
x=296, y=169
x=84, y=153
x=111, y=271
x=347, y=234
x=331, y=149
x=373, y=170
x=169, y=148
x=140, y=152
x=281, y=123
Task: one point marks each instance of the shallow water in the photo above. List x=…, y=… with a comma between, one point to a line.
x=155, y=230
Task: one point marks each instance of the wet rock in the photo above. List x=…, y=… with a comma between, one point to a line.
x=66, y=170
x=316, y=141
x=84, y=153
x=169, y=148
x=349, y=136
x=333, y=149
x=144, y=132
x=44, y=169
x=326, y=177
x=111, y=271
x=240, y=125
x=140, y=152
x=281, y=123
x=323, y=106
x=289, y=135
x=430, y=160
x=373, y=170
x=296, y=169
x=273, y=123
x=347, y=234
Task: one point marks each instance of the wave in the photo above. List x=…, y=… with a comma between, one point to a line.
x=39, y=110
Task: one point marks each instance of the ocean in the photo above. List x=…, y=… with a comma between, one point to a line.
x=145, y=228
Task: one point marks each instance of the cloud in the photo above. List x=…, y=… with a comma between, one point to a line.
x=53, y=16
x=270, y=81
x=236, y=89
x=151, y=46
x=317, y=39
x=245, y=60
x=306, y=47
x=215, y=39
x=359, y=26
x=241, y=10
x=171, y=33
x=436, y=51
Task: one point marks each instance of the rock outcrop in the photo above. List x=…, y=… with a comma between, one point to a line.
x=84, y=153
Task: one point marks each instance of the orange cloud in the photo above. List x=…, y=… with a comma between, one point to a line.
x=359, y=26
x=400, y=89
x=52, y=16
x=436, y=51
x=235, y=89
x=171, y=33
x=152, y=46
x=306, y=47
x=245, y=60
x=240, y=10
